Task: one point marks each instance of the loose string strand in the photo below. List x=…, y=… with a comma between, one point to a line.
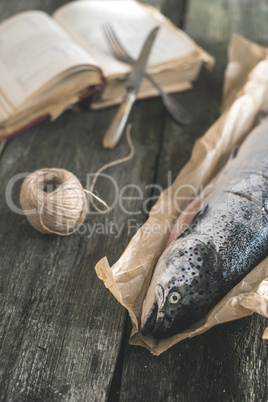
x=106, y=166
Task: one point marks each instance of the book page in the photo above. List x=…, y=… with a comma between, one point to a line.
x=33, y=51
x=132, y=22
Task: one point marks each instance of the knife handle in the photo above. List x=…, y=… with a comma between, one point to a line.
x=118, y=123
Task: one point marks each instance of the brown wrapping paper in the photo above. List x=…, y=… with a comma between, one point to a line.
x=245, y=94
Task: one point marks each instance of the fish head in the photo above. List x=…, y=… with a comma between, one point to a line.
x=184, y=287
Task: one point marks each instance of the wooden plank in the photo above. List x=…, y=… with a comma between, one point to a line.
x=51, y=299
x=211, y=22
x=61, y=329
x=2, y=146
x=228, y=363
x=175, y=11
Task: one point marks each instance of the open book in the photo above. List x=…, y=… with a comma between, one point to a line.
x=49, y=63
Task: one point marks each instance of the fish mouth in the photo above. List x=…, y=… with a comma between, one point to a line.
x=153, y=315
x=159, y=327
x=156, y=323
x=163, y=328
x=150, y=321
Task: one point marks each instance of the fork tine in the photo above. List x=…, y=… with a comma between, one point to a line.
x=113, y=42
x=123, y=50
x=118, y=49
x=109, y=40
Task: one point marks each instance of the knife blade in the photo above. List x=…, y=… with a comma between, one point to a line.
x=132, y=85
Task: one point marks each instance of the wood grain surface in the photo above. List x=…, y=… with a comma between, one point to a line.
x=63, y=337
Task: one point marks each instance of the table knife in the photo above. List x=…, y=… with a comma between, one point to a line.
x=132, y=85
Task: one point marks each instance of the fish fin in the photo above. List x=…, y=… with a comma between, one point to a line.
x=199, y=214
x=234, y=152
x=263, y=114
x=150, y=320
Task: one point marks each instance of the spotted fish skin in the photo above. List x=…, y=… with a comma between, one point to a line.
x=224, y=242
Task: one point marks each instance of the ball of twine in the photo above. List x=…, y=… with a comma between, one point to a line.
x=53, y=201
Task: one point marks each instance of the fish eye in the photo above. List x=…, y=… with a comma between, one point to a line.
x=174, y=297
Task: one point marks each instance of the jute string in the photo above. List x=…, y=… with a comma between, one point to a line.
x=54, y=200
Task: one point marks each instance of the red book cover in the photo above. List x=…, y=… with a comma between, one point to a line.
x=90, y=91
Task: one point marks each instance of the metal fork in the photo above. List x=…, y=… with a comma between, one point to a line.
x=176, y=110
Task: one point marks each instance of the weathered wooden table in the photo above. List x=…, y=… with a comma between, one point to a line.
x=63, y=336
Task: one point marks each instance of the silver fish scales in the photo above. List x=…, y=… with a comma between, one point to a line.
x=223, y=243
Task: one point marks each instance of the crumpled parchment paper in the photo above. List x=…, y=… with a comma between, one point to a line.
x=245, y=94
